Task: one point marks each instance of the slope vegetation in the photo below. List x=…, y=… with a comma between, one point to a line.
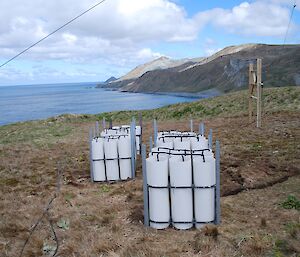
x=259, y=185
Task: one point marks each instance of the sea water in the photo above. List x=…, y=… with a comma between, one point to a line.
x=31, y=102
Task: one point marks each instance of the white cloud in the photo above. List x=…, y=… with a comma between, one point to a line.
x=124, y=26
x=147, y=53
x=260, y=18
x=119, y=33
x=287, y=3
x=116, y=32
x=69, y=38
x=42, y=74
x=210, y=47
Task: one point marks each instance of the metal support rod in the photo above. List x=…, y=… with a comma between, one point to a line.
x=93, y=132
x=201, y=129
x=140, y=120
x=218, y=182
x=210, y=145
x=145, y=189
x=133, y=147
x=133, y=120
x=97, y=129
x=103, y=124
x=141, y=136
x=91, y=159
x=110, y=123
x=155, y=131
x=191, y=125
x=150, y=144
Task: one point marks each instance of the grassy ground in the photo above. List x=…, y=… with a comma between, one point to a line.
x=259, y=172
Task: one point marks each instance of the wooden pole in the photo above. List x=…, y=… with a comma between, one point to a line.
x=259, y=91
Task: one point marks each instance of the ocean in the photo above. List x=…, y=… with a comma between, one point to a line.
x=32, y=102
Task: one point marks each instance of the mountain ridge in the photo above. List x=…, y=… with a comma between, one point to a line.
x=162, y=62
x=224, y=71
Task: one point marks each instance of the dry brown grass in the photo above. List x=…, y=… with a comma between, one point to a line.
x=105, y=220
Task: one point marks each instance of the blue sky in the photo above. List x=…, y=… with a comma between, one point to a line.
x=121, y=34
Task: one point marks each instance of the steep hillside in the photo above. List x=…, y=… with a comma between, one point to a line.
x=157, y=64
x=111, y=79
x=224, y=71
x=226, y=51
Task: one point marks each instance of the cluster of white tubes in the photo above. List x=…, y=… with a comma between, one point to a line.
x=124, y=130
x=111, y=154
x=181, y=179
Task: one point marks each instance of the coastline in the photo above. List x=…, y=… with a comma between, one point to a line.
x=198, y=95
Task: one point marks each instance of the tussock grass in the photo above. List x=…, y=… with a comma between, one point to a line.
x=291, y=203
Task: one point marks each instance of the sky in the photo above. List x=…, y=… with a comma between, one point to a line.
x=118, y=35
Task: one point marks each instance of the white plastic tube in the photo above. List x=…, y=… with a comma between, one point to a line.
x=204, y=176
x=178, y=151
x=137, y=142
x=164, y=133
x=111, y=132
x=205, y=209
x=190, y=134
x=181, y=198
x=111, y=152
x=167, y=143
x=97, y=157
x=208, y=153
x=124, y=149
x=199, y=143
x=138, y=130
x=103, y=133
x=162, y=153
x=182, y=144
x=204, y=172
x=125, y=129
x=159, y=134
x=159, y=204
